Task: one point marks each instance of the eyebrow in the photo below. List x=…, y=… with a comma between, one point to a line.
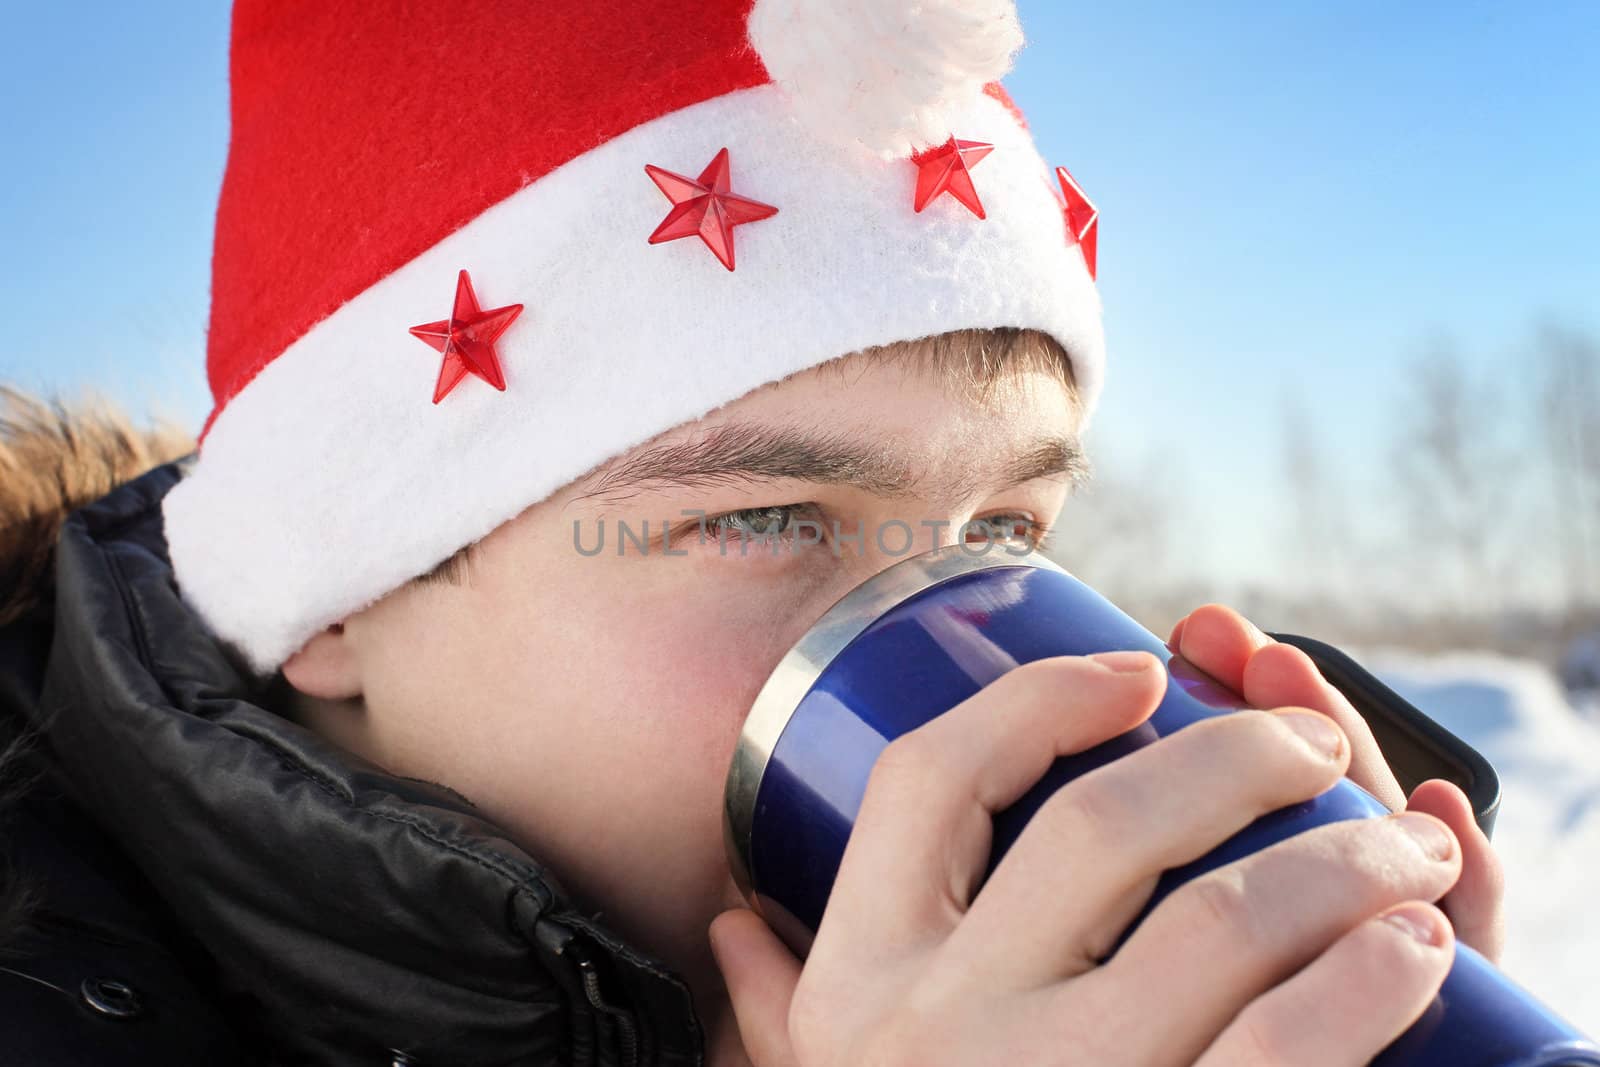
x=741, y=452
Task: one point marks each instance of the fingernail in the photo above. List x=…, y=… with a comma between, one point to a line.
x=1318, y=731
x=1124, y=662
x=1434, y=837
x=1419, y=923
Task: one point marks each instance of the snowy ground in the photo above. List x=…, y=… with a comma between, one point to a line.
x=1548, y=829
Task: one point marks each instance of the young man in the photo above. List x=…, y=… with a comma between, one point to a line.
x=307, y=806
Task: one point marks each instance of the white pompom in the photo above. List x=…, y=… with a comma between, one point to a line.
x=889, y=73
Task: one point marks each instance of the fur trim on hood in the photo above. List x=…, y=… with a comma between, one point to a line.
x=54, y=458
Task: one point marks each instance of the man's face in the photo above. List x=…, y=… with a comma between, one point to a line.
x=589, y=702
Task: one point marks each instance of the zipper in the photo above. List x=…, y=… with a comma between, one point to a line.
x=627, y=1036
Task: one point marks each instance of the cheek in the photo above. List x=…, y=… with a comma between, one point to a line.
x=684, y=688
x=643, y=672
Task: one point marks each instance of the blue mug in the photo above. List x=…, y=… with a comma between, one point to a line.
x=926, y=633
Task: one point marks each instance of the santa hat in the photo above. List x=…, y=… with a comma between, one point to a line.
x=448, y=276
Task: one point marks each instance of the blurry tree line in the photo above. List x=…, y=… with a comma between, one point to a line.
x=1487, y=535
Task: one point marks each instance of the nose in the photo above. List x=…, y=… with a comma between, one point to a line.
x=887, y=537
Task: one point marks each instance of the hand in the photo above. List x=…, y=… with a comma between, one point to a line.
x=1269, y=673
x=1317, y=951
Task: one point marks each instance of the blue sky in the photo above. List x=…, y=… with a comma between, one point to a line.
x=1295, y=200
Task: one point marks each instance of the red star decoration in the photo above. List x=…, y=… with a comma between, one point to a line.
x=467, y=340
x=1083, y=218
x=705, y=208
x=948, y=169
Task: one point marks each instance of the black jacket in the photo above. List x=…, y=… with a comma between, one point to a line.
x=218, y=885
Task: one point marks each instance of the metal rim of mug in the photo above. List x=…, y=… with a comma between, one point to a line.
x=804, y=663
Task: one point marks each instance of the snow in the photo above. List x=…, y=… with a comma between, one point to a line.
x=1547, y=834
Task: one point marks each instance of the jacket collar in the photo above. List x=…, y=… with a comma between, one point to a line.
x=353, y=914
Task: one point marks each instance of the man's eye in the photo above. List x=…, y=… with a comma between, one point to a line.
x=1009, y=526
x=757, y=524
x=780, y=522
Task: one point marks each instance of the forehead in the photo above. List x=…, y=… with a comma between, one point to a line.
x=889, y=427
x=919, y=415
x=875, y=386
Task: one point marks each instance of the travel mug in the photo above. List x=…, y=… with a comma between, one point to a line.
x=924, y=634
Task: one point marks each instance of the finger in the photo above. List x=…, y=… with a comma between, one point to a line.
x=1280, y=674
x=1220, y=642
x=761, y=974
x=1351, y=1003
x=922, y=834
x=1225, y=937
x=1476, y=903
x=1111, y=832
x=1268, y=673
x=1177, y=634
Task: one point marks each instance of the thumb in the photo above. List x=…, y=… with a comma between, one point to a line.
x=761, y=974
